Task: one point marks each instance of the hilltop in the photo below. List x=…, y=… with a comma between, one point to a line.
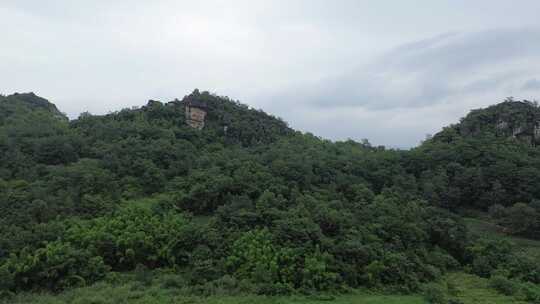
x=19, y=105
x=489, y=158
x=519, y=120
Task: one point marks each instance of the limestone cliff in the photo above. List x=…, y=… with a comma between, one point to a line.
x=515, y=119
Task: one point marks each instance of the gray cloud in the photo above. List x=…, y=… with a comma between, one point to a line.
x=532, y=85
x=370, y=65
x=419, y=87
x=432, y=71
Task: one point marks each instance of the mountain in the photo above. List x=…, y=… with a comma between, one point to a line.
x=510, y=119
x=489, y=158
x=22, y=104
x=219, y=194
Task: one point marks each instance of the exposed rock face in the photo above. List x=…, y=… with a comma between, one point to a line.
x=518, y=131
x=528, y=133
x=514, y=119
x=502, y=125
x=195, y=115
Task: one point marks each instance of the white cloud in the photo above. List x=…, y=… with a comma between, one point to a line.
x=310, y=62
x=417, y=88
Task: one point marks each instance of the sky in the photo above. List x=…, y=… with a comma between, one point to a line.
x=388, y=71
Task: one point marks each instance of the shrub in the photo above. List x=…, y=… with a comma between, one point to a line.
x=115, y=278
x=503, y=285
x=226, y=284
x=316, y=274
x=273, y=289
x=488, y=255
x=143, y=275
x=7, y=278
x=6, y=295
x=134, y=236
x=173, y=281
x=531, y=293
x=453, y=288
x=497, y=211
x=521, y=219
x=435, y=294
x=394, y=270
x=56, y=266
x=524, y=268
x=255, y=257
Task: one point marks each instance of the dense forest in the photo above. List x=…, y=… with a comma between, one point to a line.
x=251, y=204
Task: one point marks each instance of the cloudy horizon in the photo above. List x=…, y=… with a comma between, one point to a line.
x=389, y=72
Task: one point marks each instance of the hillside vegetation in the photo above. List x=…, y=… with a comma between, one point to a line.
x=249, y=206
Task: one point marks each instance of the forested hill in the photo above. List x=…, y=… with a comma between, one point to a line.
x=250, y=203
x=17, y=106
x=519, y=120
x=491, y=158
x=227, y=121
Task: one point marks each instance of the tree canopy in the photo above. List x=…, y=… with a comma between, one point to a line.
x=249, y=197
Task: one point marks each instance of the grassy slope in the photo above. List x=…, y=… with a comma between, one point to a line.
x=489, y=230
x=475, y=290
x=130, y=293
x=470, y=290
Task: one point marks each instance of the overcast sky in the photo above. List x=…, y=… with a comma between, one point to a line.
x=390, y=71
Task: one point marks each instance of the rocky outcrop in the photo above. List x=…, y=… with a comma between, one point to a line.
x=512, y=119
x=195, y=114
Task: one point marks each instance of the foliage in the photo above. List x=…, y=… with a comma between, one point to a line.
x=135, y=236
x=489, y=158
x=519, y=219
x=503, y=285
x=55, y=267
x=531, y=293
x=435, y=294
x=248, y=204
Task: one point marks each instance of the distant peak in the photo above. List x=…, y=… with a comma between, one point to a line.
x=34, y=102
x=518, y=119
